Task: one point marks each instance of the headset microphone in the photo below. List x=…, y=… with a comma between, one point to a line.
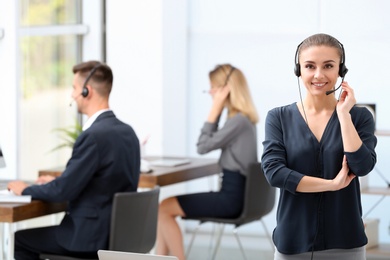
x=334, y=90
x=71, y=102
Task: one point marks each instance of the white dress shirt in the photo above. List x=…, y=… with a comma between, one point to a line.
x=93, y=118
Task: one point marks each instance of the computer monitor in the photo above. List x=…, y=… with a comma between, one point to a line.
x=371, y=107
x=2, y=162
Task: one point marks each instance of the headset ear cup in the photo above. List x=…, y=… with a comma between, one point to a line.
x=297, y=69
x=85, y=92
x=343, y=70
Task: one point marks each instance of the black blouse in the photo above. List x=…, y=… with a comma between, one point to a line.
x=327, y=220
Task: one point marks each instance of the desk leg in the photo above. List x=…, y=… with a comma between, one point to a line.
x=11, y=241
x=2, y=242
x=7, y=241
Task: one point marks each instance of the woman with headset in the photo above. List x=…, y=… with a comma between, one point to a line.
x=238, y=145
x=313, y=151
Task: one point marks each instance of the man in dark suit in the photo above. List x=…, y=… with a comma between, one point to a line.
x=105, y=160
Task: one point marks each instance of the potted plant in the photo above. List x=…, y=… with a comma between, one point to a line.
x=68, y=135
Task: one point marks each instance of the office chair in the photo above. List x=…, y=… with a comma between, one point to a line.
x=259, y=200
x=133, y=223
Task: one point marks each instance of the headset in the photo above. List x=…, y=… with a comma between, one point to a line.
x=227, y=74
x=342, y=68
x=85, y=90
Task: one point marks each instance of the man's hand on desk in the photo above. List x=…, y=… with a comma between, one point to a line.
x=17, y=186
x=44, y=179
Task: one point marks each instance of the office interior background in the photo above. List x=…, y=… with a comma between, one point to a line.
x=161, y=52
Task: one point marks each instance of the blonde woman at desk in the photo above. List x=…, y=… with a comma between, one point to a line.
x=238, y=145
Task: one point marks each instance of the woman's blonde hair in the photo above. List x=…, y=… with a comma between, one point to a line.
x=239, y=99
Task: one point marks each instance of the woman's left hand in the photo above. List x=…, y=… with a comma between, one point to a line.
x=221, y=95
x=344, y=177
x=347, y=99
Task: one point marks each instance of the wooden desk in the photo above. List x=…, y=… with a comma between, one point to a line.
x=13, y=212
x=162, y=176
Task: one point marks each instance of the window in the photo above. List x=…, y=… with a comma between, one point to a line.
x=49, y=12
x=40, y=41
x=50, y=44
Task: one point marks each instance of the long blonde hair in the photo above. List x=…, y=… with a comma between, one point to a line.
x=239, y=99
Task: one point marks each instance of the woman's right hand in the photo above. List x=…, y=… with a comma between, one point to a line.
x=344, y=177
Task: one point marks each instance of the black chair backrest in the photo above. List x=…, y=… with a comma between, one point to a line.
x=259, y=195
x=134, y=221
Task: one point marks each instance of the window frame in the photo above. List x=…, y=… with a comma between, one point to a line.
x=91, y=32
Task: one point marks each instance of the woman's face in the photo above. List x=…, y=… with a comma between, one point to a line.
x=319, y=68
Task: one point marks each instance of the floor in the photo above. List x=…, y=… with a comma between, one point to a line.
x=254, y=247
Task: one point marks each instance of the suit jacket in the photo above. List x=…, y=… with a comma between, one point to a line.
x=105, y=160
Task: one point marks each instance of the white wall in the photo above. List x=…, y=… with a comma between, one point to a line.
x=146, y=48
x=159, y=82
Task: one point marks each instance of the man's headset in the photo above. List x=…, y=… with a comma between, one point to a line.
x=342, y=68
x=85, y=90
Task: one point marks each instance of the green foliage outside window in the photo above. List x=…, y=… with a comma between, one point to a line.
x=68, y=135
x=47, y=60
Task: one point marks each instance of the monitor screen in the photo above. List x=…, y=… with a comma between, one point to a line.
x=371, y=107
x=2, y=162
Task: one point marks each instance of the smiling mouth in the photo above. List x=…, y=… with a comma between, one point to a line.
x=319, y=84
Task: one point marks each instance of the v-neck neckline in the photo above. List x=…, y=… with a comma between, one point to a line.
x=303, y=121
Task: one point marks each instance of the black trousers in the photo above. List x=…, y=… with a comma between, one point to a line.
x=29, y=243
